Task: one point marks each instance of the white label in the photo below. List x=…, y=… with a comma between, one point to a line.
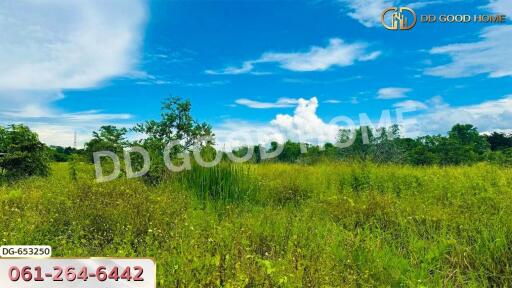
x=79, y=273
x=33, y=251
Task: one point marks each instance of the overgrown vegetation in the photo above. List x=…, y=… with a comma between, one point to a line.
x=322, y=225
x=394, y=212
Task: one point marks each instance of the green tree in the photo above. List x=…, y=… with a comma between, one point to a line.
x=361, y=140
x=422, y=151
x=499, y=141
x=291, y=151
x=108, y=138
x=387, y=146
x=464, y=145
x=23, y=154
x=468, y=136
x=175, y=125
x=61, y=154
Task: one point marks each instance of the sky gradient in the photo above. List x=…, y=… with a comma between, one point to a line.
x=281, y=69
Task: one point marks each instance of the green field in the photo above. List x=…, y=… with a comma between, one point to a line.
x=278, y=225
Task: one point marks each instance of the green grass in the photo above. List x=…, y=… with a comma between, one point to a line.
x=277, y=225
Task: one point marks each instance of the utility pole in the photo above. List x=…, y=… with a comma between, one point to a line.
x=74, y=140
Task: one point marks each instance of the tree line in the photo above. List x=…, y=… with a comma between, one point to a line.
x=23, y=154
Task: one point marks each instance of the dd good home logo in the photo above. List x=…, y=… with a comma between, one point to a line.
x=398, y=18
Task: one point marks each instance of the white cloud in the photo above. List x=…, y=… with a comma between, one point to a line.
x=367, y=12
x=392, y=93
x=54, y=126
x=336, y=54
x=304, y=126
x=351, y=100
x=490, y=56
x=280, y=103
x=67, y=44
x=487, y=116
x=500, y=6
x=50, y=46
x=246, y=68
x=422, y=4
x=236, y=133
x=411, y=105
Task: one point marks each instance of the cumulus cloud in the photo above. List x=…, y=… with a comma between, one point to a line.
x=392, y=93
x=490, y=55
x=51, y=46
x=337, y=54
x=303, y=125
x=280, y=103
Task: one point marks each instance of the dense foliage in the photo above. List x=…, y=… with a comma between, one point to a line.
x=22, y=154
x=463, y=145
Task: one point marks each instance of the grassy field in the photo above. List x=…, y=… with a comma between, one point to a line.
x=277, y=225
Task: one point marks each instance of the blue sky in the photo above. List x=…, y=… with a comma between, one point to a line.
x=244, y=65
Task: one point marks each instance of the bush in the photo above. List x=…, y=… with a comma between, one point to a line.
x=24, y=155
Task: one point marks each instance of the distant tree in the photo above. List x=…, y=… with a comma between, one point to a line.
x=330, y=151
x=464, y=145
x=499, y=141
x=108, y=138
x=23, y=154
x=468, y=136
x=291, y=152
x=61, y=154
x=452, y=152
x=422, y=151
x=257, y=154
x=361, y=148
x=387, y=146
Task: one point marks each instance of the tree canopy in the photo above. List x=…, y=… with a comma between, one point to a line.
x=23, y=154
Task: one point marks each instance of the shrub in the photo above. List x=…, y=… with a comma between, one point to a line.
x=24, y=155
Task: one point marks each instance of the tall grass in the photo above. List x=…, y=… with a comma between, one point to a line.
x=224, y=182
x=328, y=225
